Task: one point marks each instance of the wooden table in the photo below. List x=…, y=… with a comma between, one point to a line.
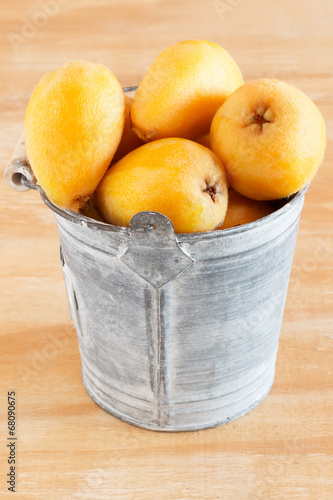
x=67, y=447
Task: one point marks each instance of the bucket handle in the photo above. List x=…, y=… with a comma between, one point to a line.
x=18, y=173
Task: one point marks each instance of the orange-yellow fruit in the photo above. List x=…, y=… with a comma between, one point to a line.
x=73, y=126
x=176, y=177
x=183, y=89
x=270, y=137
x=242, y=210
x=129, y=140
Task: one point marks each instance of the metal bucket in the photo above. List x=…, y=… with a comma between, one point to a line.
x=176, y=331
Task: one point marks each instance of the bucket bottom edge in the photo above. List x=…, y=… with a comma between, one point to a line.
x=177, y=428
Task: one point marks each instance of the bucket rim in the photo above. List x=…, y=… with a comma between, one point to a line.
x=79, y=219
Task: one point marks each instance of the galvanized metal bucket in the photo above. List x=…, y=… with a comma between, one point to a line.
x=176, y=331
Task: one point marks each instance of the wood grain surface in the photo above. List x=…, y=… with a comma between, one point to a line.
x=67, y=447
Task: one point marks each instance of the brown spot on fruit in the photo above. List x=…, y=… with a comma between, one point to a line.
x=258, y=118
x=81, y=204
x=211, y=190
